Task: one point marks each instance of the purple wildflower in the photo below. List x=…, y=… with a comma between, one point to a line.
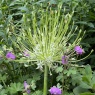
x=10, y=55
x=26, y=53
x=26, y=87
x=78, y=50
x=28, y=91
x=64, y=59
x=55, y=91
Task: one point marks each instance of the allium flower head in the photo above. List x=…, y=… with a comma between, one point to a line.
x=26, y=87
x=64, y=59
x=10, y=55
x=78, y=50
x=55, y=91
x=26, y=53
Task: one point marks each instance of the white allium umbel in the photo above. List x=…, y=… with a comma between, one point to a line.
x=46, y=36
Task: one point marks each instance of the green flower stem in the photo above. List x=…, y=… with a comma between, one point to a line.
x=4, y=83
x=63, y=84
x=20, y=73
x=82, y=58
x=45, y=79
x=63, y=80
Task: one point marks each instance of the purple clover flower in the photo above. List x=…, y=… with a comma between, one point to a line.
x=64, y=59
x=26, y=53
x=10, y=55
x=55, y=91
x=26, y=87
x=78, y=50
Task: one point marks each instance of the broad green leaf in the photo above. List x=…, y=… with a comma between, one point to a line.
x=79, y=90
x=3, y=92
x=91, y=25
x=36, y=76
x=33, y=84
x=76, y=79
x=93, y=81
x=1, y=86
x=3, y=77
x=25, y=94
x=85, y=85
x=91, y=1
x=59, y=77
x=59, y=69
x=93, y=87
x=59, y=85
x=1, y=33
x=85, y=79
x=38, y=92
x=87, y=93
x=67, y=93
x=88, y=72
x=70, y=71
x=15, y=87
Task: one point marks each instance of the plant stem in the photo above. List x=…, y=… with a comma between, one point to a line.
x=63, y=85
x=20, y=73
x=45, y=79
x=4, y=83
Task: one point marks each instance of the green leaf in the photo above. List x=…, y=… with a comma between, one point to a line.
x=38, y=92
x=3, y=77
x=59, y=85
x=52, y=2
x=33, y=84
x=85, y=86
x=91, y=1
x=36, y=76
x=3, y=92
x=88, y=72
x=15, y=87
x=1, y=61
x=24, y=9
x=91, y=25
x=93, y=81
x=1, y=14
x=87, y=93
x=86, y=23
x=76, y=79
x=59, y=77
x=1, y=86
x=25, y=94
x=93, y=86
x=70, y=71
x=85, y=79
x=79, y=90
x=59, y=69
